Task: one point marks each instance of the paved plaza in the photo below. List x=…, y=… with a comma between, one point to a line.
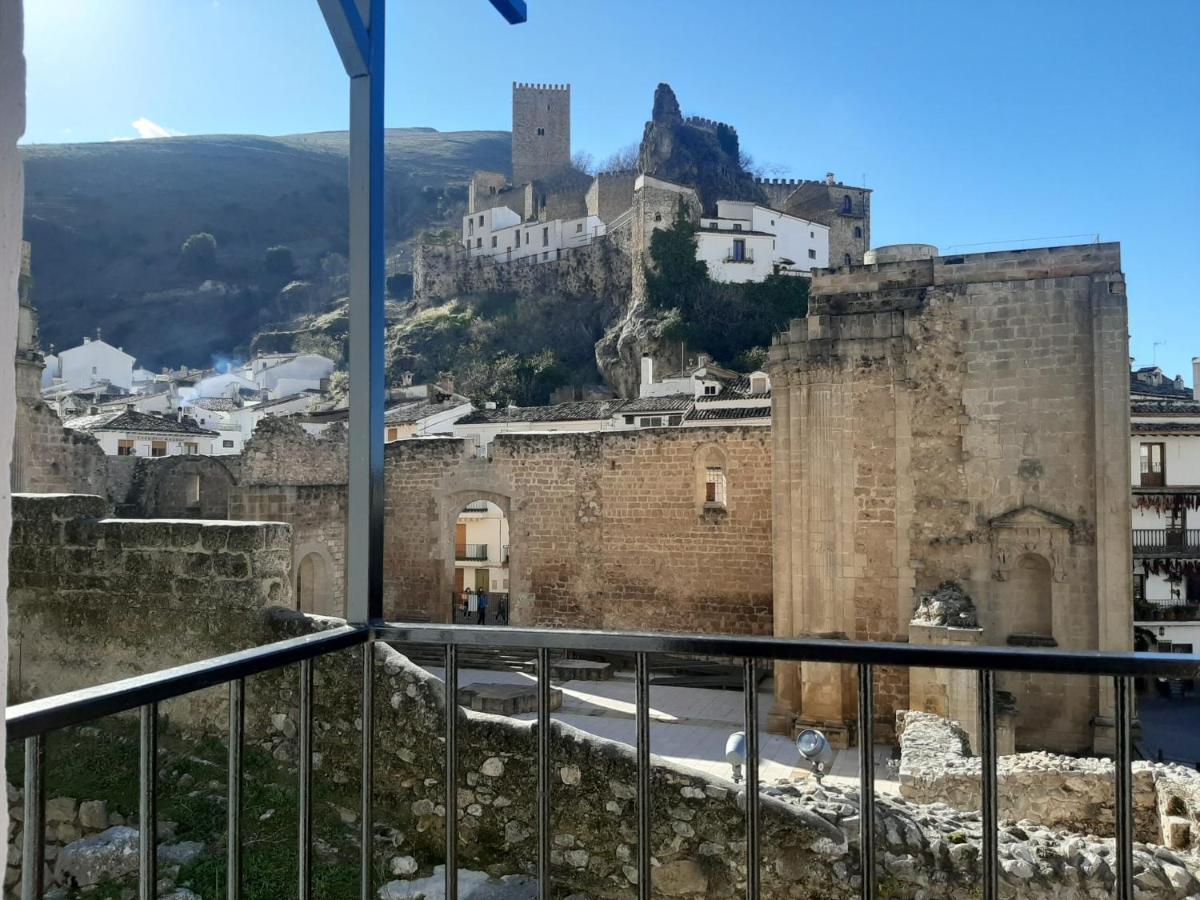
x=688, y=726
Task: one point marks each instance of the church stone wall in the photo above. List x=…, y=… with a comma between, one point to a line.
x=48, y=458
x=608, y=530
x=956, y=419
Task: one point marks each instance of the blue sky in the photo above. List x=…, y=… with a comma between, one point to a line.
x=974, y=122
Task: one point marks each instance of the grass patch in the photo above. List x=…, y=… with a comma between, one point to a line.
x=100, y=762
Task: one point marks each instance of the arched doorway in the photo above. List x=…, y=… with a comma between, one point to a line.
x=313, y=583
x=480, y=578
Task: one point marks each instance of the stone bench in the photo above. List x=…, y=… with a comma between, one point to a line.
x=504, y=699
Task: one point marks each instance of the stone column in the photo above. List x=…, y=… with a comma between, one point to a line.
x=1114, y=551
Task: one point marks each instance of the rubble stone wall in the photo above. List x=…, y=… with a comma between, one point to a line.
x=93, y=599
x=1075, y=793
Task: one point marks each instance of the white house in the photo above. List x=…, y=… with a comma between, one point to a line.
x=499, y=234
x=282, y=375
x=92, y=362
x=429, y=415
x=132, y=433
x=482, y=425
x=745, y=242
x=1165, y=457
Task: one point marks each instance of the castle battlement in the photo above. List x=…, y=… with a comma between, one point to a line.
x=530, y=86
x=708, y=124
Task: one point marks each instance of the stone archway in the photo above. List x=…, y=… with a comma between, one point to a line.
x=452, y=505
x=313, y=580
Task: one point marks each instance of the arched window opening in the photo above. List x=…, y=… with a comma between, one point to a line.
x=846, y=260
x=858, y=231
x=847, y=204
x=658, y=217
x=480, y=593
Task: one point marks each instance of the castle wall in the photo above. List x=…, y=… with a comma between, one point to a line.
x=544, y=108
x=607, y=530
x=956, y=419
x=820, y=201
x=600, y=269
x=485, y=190
x=79, y=581
x=610, y=194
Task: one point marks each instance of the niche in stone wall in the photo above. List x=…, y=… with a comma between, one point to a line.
x=1030, y=549
x=314, y=581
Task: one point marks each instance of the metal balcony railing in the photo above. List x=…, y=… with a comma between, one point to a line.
x=1166, y=540
x=471, y=552
x=747, y=257
x=476, y=506
x=31, y=722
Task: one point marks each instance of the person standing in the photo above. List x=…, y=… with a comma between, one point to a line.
x=483, y=605
x=502, y=610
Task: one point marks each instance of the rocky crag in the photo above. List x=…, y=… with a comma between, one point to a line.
x=698, y=152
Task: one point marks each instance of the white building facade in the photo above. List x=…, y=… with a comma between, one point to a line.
x=745, y=242
x=500, y=235
x=131, y=433
x=1165, y=477
x=92, y=362
x=481, y=549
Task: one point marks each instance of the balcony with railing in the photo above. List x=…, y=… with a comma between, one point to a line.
x=471, y=552
x=556, y=771
x=1166, y=541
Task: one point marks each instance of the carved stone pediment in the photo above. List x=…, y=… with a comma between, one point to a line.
x=1030, y=517
x=1030, y=530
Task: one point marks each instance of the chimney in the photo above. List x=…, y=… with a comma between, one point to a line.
x=830, y=178
x=1196, y=377
x=87, y=340
x=647, y=370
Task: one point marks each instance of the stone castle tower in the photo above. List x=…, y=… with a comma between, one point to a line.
x=541, y=131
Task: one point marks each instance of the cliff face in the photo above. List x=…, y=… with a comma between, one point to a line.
x=696, y=152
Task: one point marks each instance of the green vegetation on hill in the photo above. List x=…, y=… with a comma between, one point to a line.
x=501, y=347
x=732, y=322
x=109, y=224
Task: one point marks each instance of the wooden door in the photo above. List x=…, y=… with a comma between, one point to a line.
x=459, y=580
x=482, y=580
x=460, y=539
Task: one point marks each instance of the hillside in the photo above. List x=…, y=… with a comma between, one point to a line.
x=107, y=221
